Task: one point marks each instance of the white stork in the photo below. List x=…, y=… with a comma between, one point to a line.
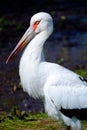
x=64, y=92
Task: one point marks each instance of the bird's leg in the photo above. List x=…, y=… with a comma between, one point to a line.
x=68, y=128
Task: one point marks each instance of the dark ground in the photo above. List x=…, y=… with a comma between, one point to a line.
x=70, y=19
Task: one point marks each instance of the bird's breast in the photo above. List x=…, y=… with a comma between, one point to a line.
x=30, y=79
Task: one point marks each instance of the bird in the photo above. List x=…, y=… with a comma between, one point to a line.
x=64, y=92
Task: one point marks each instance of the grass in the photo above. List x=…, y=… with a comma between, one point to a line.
x=82, y=72
x=38, y=121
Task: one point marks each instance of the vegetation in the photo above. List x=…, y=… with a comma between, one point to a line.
x=82, y=72
x=29, y=121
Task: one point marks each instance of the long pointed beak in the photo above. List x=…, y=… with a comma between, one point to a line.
x=29, y=34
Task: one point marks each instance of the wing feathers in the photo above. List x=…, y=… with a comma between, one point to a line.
x=67, y=97
x=79, y=113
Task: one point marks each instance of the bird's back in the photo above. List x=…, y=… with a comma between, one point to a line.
x=61, y=81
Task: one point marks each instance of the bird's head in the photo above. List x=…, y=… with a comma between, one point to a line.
x=39, y=22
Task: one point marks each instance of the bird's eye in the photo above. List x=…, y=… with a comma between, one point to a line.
x=36, y=24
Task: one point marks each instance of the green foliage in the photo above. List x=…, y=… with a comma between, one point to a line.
x=82, y=72
x=38, y=121
x=30, y=121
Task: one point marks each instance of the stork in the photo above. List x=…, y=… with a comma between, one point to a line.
x=64, y=92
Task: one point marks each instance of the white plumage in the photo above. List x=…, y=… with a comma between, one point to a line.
x=61, y=89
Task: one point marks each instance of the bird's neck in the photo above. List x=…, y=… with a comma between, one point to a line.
x=34, y=50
